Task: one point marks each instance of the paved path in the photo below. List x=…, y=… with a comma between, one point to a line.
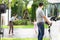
x=21, y=33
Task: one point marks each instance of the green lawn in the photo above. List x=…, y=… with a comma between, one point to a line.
x=24, y=26
x=22, y=39
x=19, y=39
x=20, y=26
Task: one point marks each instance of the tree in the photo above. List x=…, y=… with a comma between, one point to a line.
x=17, y=7
x=35, y=5
x=0, y=1
x=26, y=3
x=14, y=7
x=4, y=2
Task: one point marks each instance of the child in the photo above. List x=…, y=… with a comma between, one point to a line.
x=13, y=18
x=35, y=27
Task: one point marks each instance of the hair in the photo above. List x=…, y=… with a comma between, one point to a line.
x=40, y=4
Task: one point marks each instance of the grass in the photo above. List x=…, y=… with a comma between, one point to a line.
x=22, y=39
x=19, y=38
x=20, y=26
x=45, y=25
x=24, y=26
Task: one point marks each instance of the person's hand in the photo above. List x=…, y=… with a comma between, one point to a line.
x=50, y=23
x=16, y=19
x=47, y=23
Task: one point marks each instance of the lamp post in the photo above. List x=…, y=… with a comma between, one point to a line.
x=9, y=9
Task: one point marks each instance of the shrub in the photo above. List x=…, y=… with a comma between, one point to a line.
x=20, y=22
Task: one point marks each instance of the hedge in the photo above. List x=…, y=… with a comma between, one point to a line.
x=20, y=22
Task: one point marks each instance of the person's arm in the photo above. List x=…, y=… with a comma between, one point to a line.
x=45, y=18
x=16, y=18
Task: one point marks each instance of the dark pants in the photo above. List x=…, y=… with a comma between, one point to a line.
x=10, y=27
x=40, y=30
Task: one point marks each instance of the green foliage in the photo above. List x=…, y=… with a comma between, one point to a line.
x=0, y=1
x=45, y=2
x=35, y=5
x=26, y=2
x=13, y=2
x=17, y=7
x=30, y=12
x=14, y=6
x=20, y=22
x=5, y=2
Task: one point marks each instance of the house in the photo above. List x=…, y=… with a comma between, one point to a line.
x=53, y=8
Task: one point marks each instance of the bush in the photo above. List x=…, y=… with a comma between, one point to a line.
x=20, y=22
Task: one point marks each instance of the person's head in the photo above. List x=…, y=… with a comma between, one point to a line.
x=41, y=5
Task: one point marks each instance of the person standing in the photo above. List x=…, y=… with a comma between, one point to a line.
x=41, y=18
x=35, y=26
x=12, y=19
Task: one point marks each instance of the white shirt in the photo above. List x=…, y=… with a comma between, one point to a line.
x=12, y=19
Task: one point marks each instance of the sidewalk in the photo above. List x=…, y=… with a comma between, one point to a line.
x=21, y=33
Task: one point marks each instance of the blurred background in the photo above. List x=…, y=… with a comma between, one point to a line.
x=26, y=11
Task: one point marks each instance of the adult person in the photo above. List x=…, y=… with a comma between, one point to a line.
x=41, y=18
